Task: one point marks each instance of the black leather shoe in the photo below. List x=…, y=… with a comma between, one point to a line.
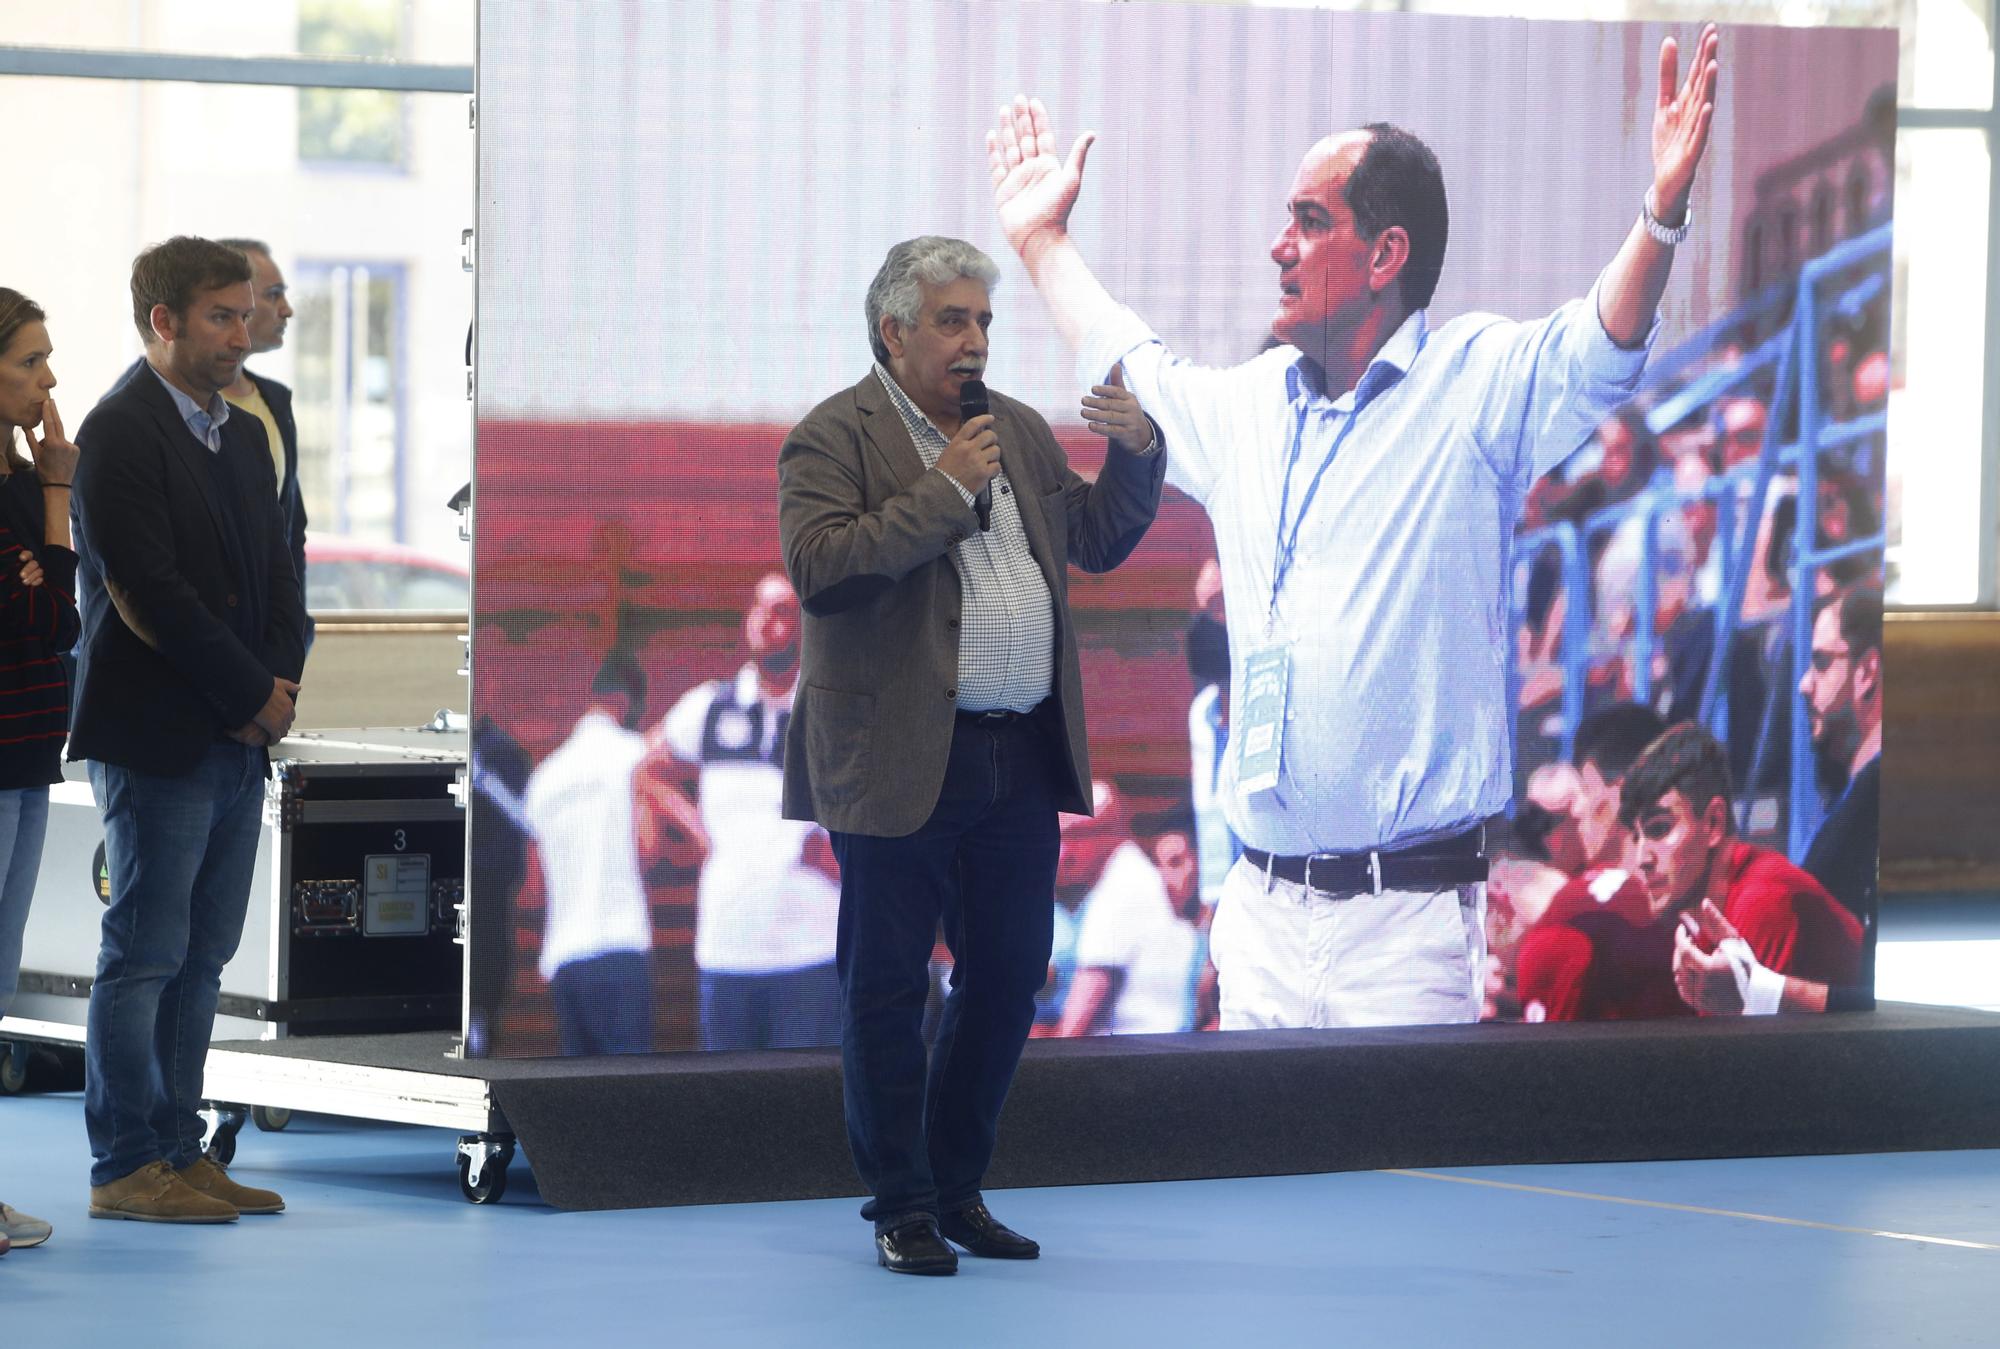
x=915, y=1248
x=983, y=1234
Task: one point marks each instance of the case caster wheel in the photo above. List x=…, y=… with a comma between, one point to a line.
x=224, y=1123
x=482, y=1166
x=13, y=1068
x=271, y=1119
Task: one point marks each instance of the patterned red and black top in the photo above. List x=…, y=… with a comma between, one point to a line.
x=38, y=625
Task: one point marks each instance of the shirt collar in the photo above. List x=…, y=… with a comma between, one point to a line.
x=215, y=414
x=1391, y=363
x=912, y=415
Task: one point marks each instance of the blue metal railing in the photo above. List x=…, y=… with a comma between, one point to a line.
x=1794, y=351
x=1807, y=556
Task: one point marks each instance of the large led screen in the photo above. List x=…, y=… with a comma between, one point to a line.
x=1617, y=609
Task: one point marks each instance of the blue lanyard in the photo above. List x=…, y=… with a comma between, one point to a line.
x=1287, y=545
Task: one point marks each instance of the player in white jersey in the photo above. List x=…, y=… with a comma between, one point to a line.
x=597, y=938
x=766, y=912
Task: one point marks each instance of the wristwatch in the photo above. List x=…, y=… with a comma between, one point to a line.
x=1661, y=233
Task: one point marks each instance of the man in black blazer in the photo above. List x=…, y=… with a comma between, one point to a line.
x=271, y=402
x=193, y=642
x=265, y=398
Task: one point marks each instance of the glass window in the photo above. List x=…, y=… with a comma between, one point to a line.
x=1937, y=367
x=429, y=30
x=1947, y=54
x=351, y=126
x=424, y=587
x=127, y=163
x=349, y=395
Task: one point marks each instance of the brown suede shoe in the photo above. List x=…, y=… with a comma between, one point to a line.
x=154, y=1194
x=20, y=1231
x=208, y=1178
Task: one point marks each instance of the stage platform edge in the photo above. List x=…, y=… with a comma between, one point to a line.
x=667, y=1129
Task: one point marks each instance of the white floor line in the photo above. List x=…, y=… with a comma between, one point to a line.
x=1695, y=1208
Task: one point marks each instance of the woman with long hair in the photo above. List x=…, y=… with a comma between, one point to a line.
x=38, y=623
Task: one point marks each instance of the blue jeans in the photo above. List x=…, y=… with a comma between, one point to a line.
x=181, y=851
x=24, y=821
x=787, y=1009
x=604, y=1004
x=984, y=865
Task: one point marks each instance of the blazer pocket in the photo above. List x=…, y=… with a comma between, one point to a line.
x=839, y=729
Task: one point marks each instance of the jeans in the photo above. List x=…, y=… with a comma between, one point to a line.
x=24, y=820
x=984, y=864
x=604, y=1004
x=784, y=1009
x=181, y=851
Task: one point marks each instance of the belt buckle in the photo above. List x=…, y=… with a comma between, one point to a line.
x=1307, y=879
x=1374, y=870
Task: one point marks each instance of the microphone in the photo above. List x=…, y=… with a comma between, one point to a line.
x=972, y=403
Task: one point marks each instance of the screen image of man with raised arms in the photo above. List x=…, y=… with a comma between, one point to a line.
x=1363, y=480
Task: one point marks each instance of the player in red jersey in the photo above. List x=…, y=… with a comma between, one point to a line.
x=1586, y=950
x=1675, y=799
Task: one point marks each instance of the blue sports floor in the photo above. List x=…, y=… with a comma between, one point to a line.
x=378, y=1250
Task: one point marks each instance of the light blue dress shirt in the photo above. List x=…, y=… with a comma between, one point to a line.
x=1396, y=604
x=205, y=422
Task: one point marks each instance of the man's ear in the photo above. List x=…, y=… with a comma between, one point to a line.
x=1715, y=821
x=892, y=335
x=1868, y=675
x=165, y=326
x=1387, y=256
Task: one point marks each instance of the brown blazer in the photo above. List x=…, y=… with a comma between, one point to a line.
x=868, y=537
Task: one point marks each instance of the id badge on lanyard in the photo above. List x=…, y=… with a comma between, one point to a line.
x=1260, y=740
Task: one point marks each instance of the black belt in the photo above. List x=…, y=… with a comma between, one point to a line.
x=1460, y=860
x=997, y=717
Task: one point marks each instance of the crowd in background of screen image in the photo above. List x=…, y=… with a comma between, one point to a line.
x=635, y=636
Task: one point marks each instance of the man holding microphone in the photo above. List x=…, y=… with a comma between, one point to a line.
x=938, y=726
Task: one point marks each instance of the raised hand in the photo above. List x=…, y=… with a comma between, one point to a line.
x=1033, y=190
x=55, y=457
x=1704, y=979
x=1113, y=411
x=1680, y=122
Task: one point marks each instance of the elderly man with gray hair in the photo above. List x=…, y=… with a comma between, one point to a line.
x=938, y=726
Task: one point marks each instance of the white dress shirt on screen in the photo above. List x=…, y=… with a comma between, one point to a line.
x=1396, y=608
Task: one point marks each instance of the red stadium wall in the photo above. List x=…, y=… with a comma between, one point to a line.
x=672, y=572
